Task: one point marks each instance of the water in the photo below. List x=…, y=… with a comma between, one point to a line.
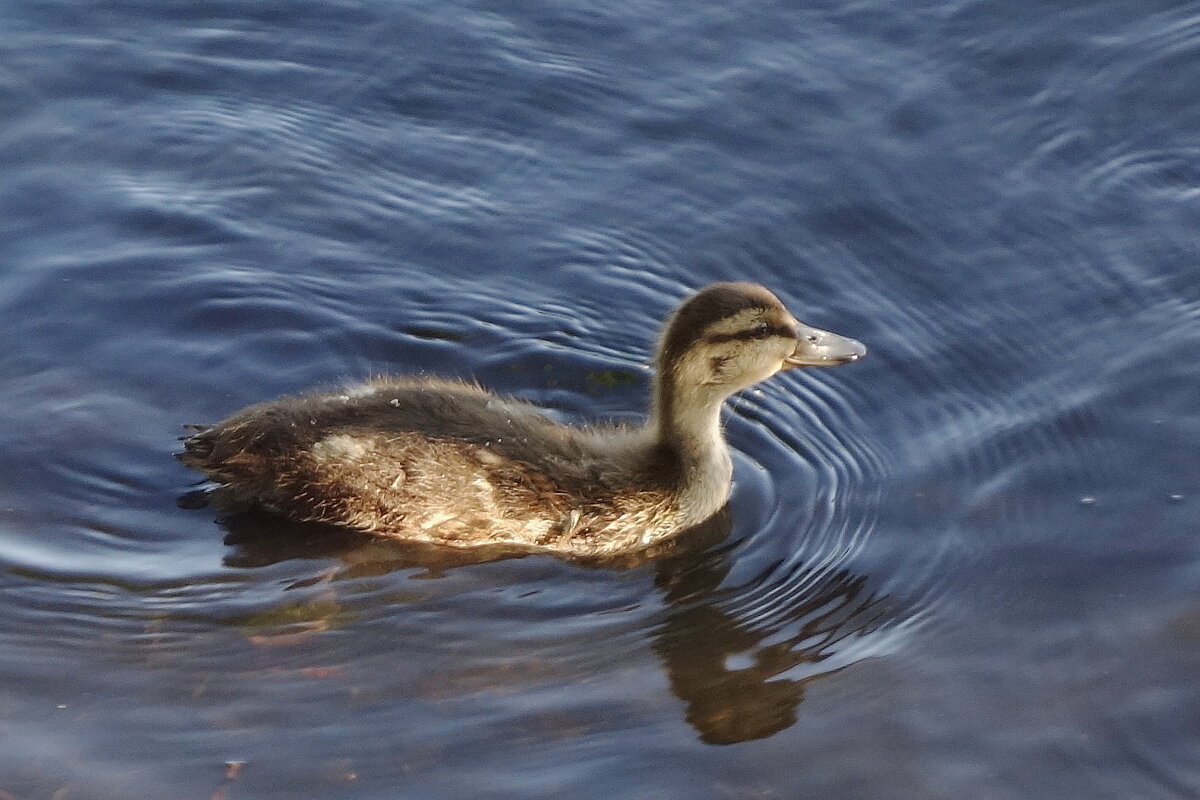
x=966, y=567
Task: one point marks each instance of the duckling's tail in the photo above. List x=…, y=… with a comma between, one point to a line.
x=255, y=457
x=197, y=446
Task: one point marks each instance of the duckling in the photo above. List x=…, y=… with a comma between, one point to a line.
x=448, y=462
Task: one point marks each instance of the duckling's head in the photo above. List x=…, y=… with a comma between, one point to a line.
x=732, y=335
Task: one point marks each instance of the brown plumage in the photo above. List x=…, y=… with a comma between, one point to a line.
x=448, y=462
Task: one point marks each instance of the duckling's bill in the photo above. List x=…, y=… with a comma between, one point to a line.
x=818, y=348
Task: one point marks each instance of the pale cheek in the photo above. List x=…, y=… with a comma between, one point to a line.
x=759, y=369
x=770, y=367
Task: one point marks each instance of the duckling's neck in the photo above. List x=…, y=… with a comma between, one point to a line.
x=689, y=424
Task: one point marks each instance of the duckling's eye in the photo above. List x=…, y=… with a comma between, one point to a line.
x=761, y=331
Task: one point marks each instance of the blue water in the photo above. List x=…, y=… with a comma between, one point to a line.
x=965, y=567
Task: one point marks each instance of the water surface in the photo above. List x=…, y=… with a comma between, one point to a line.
x=965, y=567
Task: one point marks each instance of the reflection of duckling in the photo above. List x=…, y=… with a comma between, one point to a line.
x=447, y=462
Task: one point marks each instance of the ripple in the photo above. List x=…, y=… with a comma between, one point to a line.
x=1171, y=174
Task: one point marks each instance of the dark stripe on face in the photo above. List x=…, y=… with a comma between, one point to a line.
x=756, y=332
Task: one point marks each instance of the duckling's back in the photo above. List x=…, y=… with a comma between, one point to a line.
x=439, y=461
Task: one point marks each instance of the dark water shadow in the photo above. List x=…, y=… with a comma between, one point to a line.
x=730, y=675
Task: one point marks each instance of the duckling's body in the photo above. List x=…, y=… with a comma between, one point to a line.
x=448, y=462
